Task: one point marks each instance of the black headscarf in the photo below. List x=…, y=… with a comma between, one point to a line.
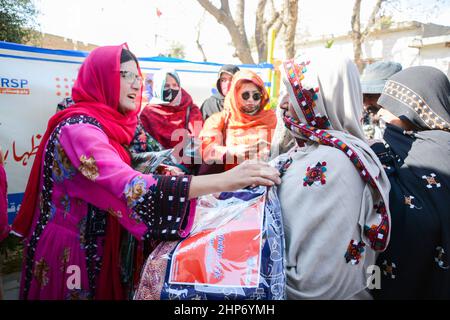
x=416, y=263
x=214, y=103
x=420, y=95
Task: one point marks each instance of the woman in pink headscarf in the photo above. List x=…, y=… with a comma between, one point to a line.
x=82, y=191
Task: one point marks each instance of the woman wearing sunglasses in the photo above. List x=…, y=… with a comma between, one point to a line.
x=243, y=130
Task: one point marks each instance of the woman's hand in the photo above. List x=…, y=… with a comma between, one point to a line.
x=248, y=173
x=258, y=150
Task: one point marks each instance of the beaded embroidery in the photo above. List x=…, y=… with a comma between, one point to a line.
x=315, y=175
x=415, y=102
x=65, y=258
x=388, y=269
x=354, y=251
x=441, y=258
x=323, y=137
x=409, y=202
x=377, y=234
x=65, y=202
x=168, y=196
x=305, y=97
x=41, y=269
x=88, y=167
x=46, y=197
x=134, y=191
x=62, y=167
x=94, y=234
x=431, y=180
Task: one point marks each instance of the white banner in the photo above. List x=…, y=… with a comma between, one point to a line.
x=34, y=80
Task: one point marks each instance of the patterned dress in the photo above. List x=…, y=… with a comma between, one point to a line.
x=84, y=180
x=416, y=263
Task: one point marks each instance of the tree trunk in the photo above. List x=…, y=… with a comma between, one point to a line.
x=260, y=32
x=239, y=40
x=356, y=34
x=236, y=27
x=291, y=9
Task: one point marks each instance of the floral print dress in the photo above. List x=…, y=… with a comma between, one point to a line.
x=83, y=181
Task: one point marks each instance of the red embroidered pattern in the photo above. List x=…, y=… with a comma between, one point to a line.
x=354, y=251
x=305, y=97
x=376, y=233
x=315, y=175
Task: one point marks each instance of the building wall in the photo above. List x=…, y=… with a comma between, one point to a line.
x=437, y=56
x=394, y=46
x=51, y=41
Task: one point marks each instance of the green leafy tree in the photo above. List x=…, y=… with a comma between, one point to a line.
x=18, y=21
x=176, y=50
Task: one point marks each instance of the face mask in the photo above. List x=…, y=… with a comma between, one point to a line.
x=169, y=94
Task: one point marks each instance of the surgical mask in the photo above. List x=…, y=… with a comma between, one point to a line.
x=169, y=94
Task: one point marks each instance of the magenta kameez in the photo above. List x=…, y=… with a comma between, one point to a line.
x=84, y=180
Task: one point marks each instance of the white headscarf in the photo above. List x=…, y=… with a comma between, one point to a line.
x=159, y=81
x=282, y=139
x=336, y=108
x=330, y=118
x=339, y=96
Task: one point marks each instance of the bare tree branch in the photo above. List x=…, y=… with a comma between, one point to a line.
x=291, y=7
x=279, y=24
x=225, y=7
x=276, y=19
x=356, y=16
x=262, y=27
x=199, y=45
x=356, y=33
x=260, y=35
x=358, y=36
x=223, y=16
x=372, y=19
x=275, y=16
x=217, y=13
x=240, y=22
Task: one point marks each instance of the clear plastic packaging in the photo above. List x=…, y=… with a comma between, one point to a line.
x=234, y=251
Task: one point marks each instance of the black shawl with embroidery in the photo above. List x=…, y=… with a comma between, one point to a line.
x=416, y=263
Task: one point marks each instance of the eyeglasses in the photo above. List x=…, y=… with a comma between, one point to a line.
x=130, y=77
x=246, y=95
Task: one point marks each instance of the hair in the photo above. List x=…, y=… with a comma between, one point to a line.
x=177, y=80
x=127, y=55
x=240, y=83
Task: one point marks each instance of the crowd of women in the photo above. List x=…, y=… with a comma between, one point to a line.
x=348, y=203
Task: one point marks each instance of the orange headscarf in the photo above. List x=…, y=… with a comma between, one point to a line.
x=238, y=127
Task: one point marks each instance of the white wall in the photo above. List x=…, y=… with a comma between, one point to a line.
x=392, y=46
x=437, y=56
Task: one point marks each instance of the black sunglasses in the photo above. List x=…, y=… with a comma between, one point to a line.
x=246, y=95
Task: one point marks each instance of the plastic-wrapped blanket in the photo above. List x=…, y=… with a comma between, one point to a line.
x=235, y=251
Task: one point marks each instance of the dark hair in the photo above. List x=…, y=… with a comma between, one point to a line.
x=127, y=55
